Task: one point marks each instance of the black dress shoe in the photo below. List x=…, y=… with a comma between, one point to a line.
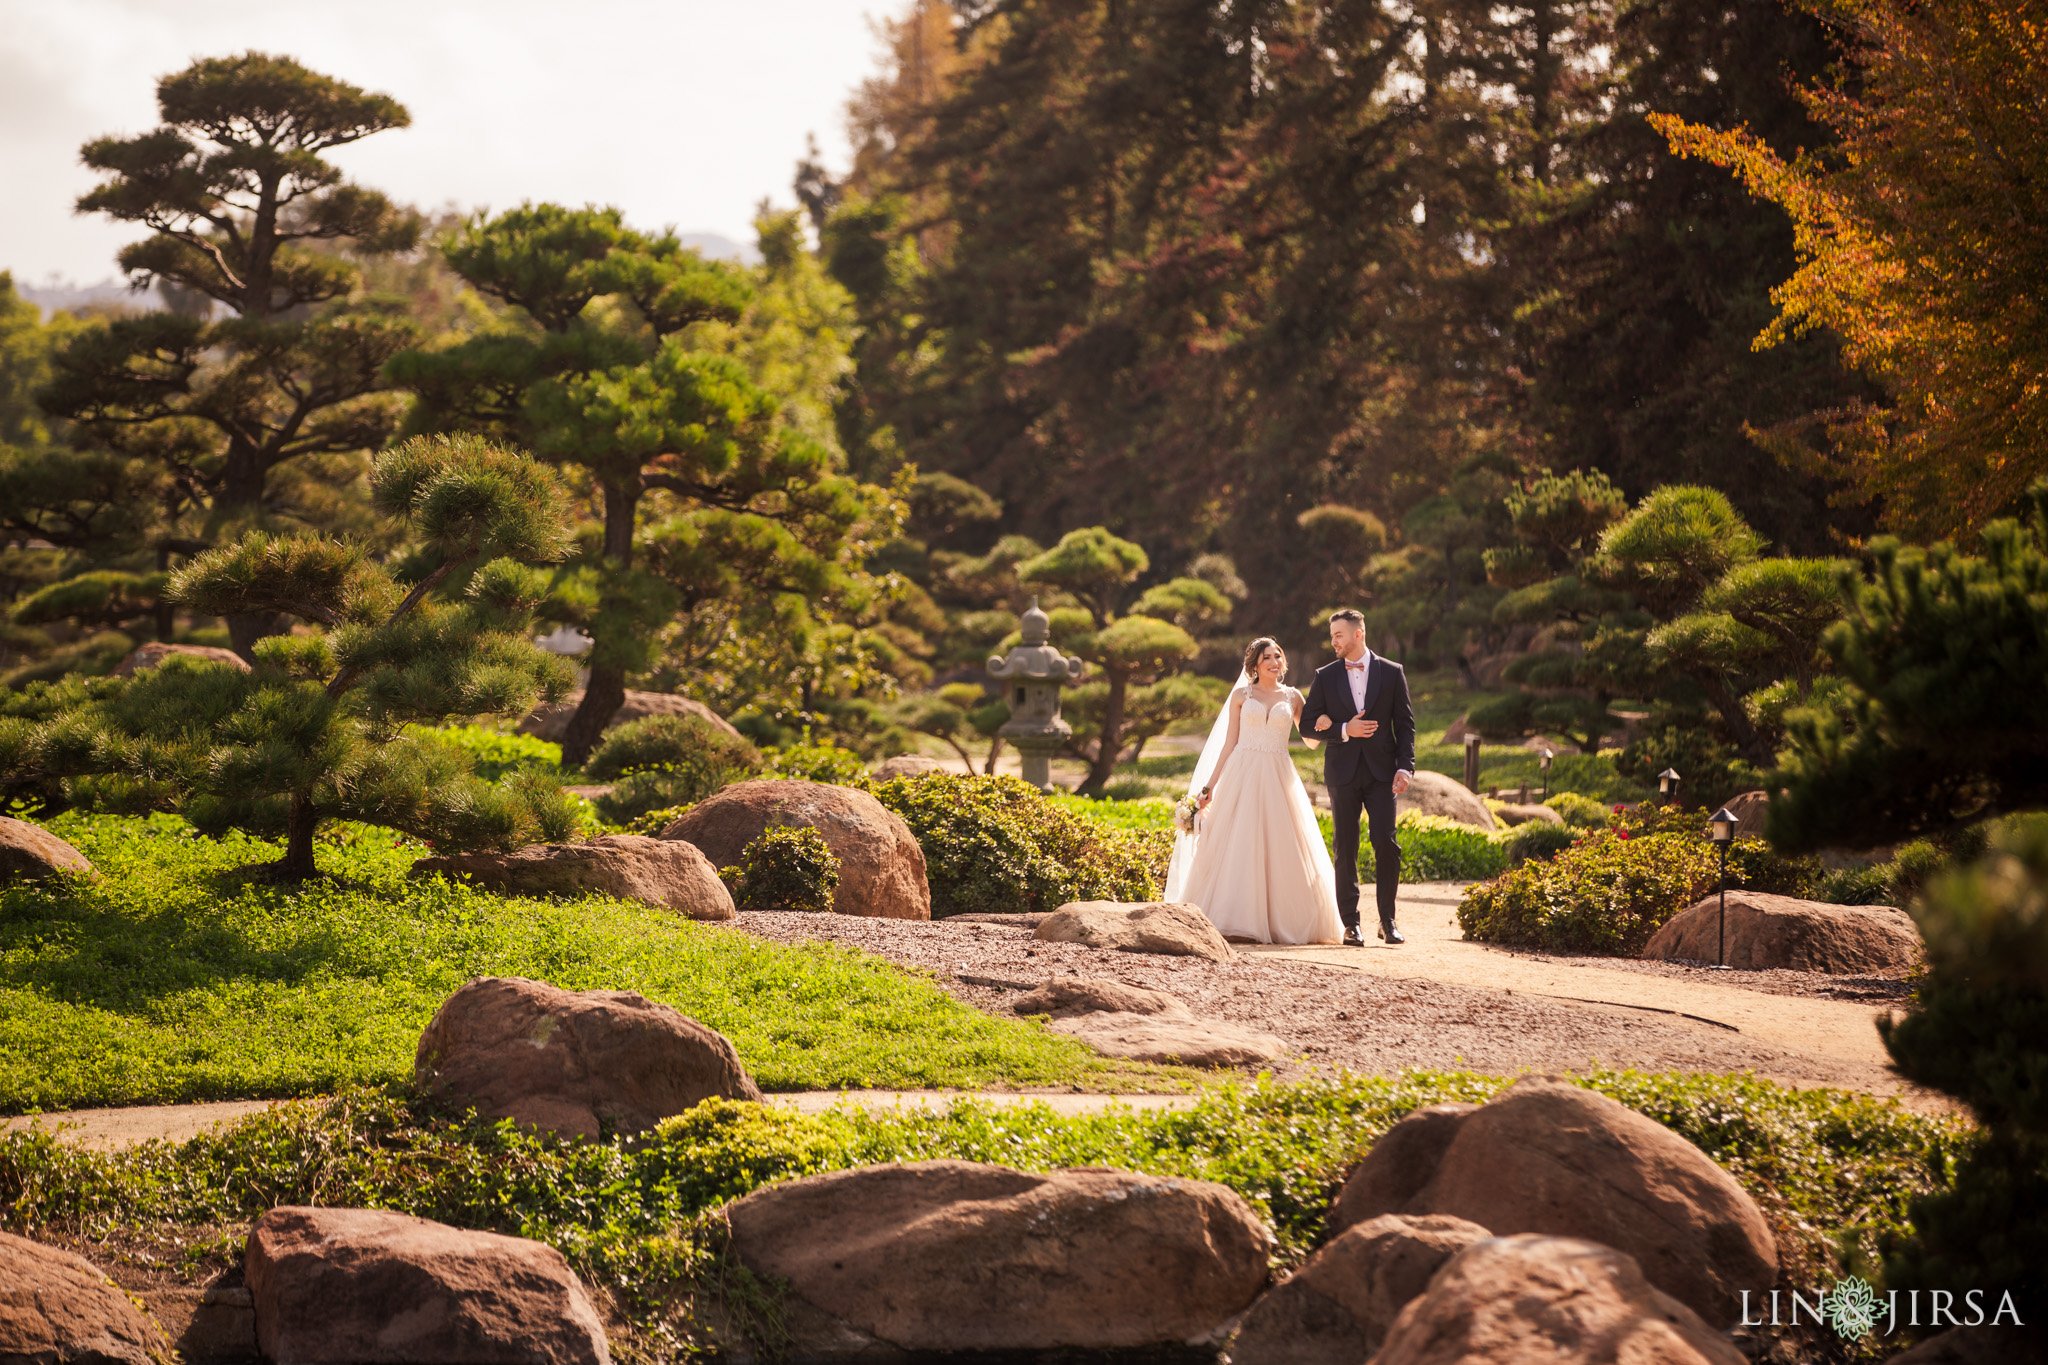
x=1352, y=938
x=1391, y=934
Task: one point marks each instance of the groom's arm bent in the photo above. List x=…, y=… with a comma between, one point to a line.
x=1313, y=706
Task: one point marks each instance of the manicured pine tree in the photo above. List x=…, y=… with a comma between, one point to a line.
x=318, y=730
x=258, y=406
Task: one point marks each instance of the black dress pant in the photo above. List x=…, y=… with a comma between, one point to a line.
x=1376, y=799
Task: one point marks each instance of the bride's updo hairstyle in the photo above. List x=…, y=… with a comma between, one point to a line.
x=1256, y=650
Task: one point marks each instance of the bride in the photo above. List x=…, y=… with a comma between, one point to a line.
x=1256, y=863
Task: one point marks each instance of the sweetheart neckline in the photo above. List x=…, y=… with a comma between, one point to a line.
x=1283, y=699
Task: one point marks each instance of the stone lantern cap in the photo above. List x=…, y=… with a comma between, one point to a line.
x=1033, y=660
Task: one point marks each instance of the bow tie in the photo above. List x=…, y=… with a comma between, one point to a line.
x=1358, y=667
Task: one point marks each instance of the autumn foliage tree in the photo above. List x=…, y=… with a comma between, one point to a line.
x=1924, y=243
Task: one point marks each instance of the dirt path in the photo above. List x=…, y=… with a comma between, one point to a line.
x=103, y=1130
x=1706, y=1000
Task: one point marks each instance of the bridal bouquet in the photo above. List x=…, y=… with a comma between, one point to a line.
x=1185, y=812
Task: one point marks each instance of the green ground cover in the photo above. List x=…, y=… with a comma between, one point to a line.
x=177, y=976
x=1833, y=1172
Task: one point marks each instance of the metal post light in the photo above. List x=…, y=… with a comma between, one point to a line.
x=1544, y=763
x=1723, y=823
x=1472, y=762
x=1667, y=785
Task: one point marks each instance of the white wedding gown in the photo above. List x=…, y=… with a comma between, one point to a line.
x=1261, y=870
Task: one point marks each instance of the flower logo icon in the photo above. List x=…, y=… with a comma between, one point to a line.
x=1851, y=1308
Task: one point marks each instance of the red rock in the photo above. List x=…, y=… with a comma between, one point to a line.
x=59, y=1309
x=28, y=851
x=1337, y=1309
x=665, y=872
x=551, y=722
x=1556, y=1300
x=1780, y=931
x=881, y=868
x=1546, y=1157
x=153, y=654
x=563, y=1061
x=370, y=1287
x=954, y=1256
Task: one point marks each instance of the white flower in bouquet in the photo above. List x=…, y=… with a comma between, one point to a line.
x=1184, y=812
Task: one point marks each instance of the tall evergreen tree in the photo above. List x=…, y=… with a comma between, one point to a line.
x=257, y=406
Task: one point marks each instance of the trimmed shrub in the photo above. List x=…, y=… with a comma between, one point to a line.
x=663, y=761
x=1609, y=892
x=1535, y=839
x=1580, y=812
x=997, y=845
x=785, y=868
x=492, y=755
x=1436, y=848
x=827, y=763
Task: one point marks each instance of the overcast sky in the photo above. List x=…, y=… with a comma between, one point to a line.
x=684, y=113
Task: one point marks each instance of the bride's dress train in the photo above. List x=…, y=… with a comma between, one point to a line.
x=1260, y=868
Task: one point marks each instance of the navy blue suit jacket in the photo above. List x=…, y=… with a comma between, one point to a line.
x=1389, y=749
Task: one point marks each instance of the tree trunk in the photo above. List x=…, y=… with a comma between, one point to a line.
x=995, y=750
x=298, y=848
x=1111, y=741
x=603, y=695
x=605, y=692
x=166, y=614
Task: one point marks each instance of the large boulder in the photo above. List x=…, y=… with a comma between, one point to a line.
x=563, y=1061
x=1558, y=1159
x=2002, y=1345
x=370, y=1287
x=1120, y=1020
x=1510, y=814
x=551, y=721
x=907, y=765
x=28, y=851
x=881, y=868
x=57, y=1309
x=665, y=872
x=1167, y=927
x=1557, y=1300
x=1431, y=793
x=153, y=654
x=957, y=1256
x=1749, y=810
x=1337, y=1309
x=1781, y=931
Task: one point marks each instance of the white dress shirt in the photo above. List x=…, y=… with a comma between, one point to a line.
x=1356, y=677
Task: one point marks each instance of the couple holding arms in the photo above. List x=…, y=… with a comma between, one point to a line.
x=1255, y=862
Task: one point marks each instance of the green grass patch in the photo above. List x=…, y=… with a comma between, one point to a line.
x=176, y=977
x=1833, y=1172
x=496, y=752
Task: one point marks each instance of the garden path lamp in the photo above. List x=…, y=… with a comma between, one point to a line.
x=1667, y=785
x=1035, y=672
x=1544, y=763
x=1723, y=823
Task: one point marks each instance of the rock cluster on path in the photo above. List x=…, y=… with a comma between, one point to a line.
x=1166, y=927
x=349, y=1286
x=881, y=868
x=1558, y=1159
x=666, y=872
x=1120, y=1020
x=551, y=722
x=29, y=851
x=1512, y=1300
x=566, y=1061
x=59, y=1309
x=1765, y=931
x=1337, y=1309
x=153, y=654
x=1432, y=793
x=957, y=1256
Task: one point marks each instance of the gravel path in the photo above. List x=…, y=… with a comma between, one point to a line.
x=1361, y=1020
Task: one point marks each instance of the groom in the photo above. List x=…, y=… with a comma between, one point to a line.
x=1369, y=762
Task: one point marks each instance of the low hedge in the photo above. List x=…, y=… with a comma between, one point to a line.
x=994, y=844
x=785, y=868
x=662, y=761
x=1611, y=890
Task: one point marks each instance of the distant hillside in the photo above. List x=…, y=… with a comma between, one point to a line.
x=59, y=296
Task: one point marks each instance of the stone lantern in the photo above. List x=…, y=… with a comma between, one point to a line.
x=1035, y=672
